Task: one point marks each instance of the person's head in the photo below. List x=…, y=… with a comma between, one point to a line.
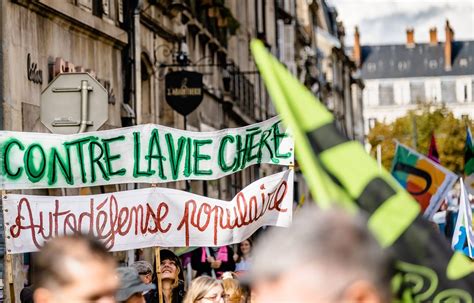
x=234, y=292
x=244, y=248
x=205, y=289
x=74, y=269
x=145, y=271
x=325, y=256
x=170, y=267
x=131, y=286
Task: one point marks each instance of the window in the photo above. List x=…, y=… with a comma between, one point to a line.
x=147, y=102
x=417, y=92
x=401, y=92
x=386, y=94
x=433, y=64
x=371, y=67
x=402, y=65
x=371, y=94
x=448, y=91
x=464, y=88
x=433, y=90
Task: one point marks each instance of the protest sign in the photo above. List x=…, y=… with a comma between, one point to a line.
x=427, y=181
x=145, y=153
x=149, y=217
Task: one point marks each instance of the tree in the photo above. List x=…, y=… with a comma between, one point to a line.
x=449, y=131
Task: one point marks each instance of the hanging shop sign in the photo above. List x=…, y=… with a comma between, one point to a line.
x=184, y=91
x=149, y=217
x=144, y=153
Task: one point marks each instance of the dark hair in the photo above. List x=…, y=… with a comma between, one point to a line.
x=177, y=293
x=49, y=266
x=240, y=254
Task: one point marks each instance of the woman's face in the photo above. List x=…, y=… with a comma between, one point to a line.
x=214, y=295
x=168, y=269
x=245, y=247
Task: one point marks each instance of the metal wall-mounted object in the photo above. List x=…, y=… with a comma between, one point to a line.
x=74, y=103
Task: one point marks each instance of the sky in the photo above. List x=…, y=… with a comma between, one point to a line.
x=385, y=21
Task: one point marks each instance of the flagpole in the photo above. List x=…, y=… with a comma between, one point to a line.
x=157, y=267
x=415, y=136
x=158, y=274
x=379, y=156
x=467, y=205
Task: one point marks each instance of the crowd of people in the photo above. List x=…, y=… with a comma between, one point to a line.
x=325, y=256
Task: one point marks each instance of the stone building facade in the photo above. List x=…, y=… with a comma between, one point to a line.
x=129, y=47
x=214, y=37
x=40, y=39
x=324, y=66
x=311, y=44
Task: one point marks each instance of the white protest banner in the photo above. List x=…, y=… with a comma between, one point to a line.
x=149, y=217
x=143, y=154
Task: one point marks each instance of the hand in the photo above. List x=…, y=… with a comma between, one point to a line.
x=216, y=264
x=210, y=259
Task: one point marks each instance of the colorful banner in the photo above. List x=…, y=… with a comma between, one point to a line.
x=427, y=181
x=145, y=153
x=149, y=217
x=339, y=172
x=463, y=236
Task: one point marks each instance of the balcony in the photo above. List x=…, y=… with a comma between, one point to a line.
x=241, y=91
x=214, y=17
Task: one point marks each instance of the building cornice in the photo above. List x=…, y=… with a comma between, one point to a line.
x=154, y=25
x=81, y=21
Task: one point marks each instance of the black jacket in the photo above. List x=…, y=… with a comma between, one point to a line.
x=204, y=268
x=178, y=294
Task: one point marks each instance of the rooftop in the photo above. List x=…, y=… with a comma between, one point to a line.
x=420, y=60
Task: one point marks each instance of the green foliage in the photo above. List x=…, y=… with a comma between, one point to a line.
x=450, y=134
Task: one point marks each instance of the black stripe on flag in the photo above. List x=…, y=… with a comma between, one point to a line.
x=325, y=137
x=376, y=192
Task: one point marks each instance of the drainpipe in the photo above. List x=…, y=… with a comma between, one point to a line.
x=137, y=62
x=2, y=126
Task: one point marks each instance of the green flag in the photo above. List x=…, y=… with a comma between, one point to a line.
x=469, y=162
x=339, y=171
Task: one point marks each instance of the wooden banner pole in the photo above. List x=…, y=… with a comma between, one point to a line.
x=158, y=274
x=9, y=274
x=8, y=262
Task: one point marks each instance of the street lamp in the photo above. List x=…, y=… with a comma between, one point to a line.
x=182, y=54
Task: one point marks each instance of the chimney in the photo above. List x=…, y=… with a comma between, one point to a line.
x=433, y=36
x=356, y=52
x=410, y=37
x=448, y=46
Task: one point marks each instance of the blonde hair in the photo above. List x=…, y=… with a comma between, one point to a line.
x=199, y=288
x=232, y=288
